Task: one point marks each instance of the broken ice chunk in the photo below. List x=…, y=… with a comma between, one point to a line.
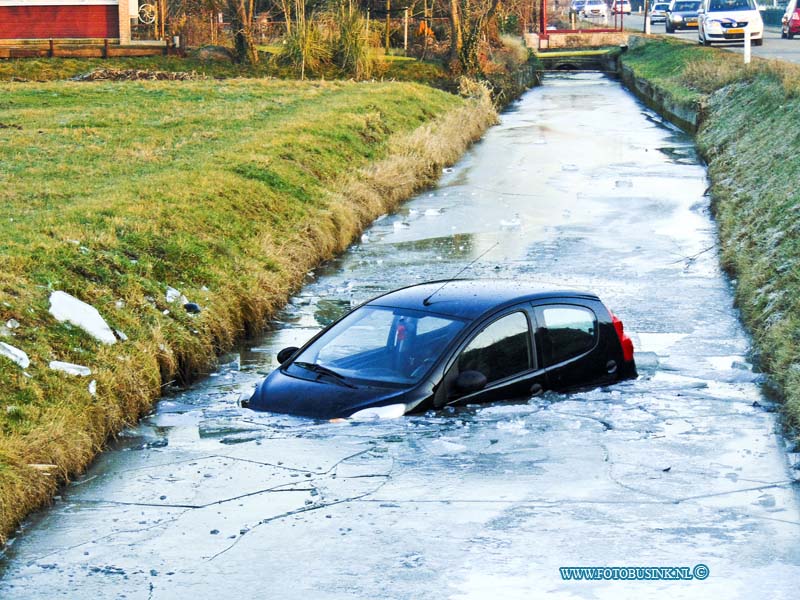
x=66, y=308
x=15, y=355
x=70, y=368
x=173, y=295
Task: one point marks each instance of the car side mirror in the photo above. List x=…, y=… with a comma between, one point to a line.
x=286, y=354
x=470, y=381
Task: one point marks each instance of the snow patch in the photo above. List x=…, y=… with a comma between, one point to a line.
x=70, y=368
x=15, y=354
x=66, y=308
x=174, y=295
x=446, y=446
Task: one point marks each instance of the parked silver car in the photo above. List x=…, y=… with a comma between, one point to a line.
x=659, y=13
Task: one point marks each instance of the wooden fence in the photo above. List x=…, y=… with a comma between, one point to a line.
x=80, y=48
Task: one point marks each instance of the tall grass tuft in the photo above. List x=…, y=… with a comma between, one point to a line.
x=709, y=75
x=351, y=47
x=305, y=47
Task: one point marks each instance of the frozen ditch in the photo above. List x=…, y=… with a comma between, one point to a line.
x=580, y=186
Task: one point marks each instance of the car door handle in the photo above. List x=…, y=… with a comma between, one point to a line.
x=536, y=389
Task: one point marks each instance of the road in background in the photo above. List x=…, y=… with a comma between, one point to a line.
x=774, y=46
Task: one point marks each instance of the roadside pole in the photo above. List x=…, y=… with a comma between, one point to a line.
x=405, y=31
x=747, y=44
x=647, y=17
x=388, y=25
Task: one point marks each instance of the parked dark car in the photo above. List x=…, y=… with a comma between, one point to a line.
x=682, y=14
x=443, y=343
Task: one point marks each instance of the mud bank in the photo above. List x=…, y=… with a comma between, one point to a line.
x=746, y=129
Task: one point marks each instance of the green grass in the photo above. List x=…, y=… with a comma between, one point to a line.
x=750, y=138
x=662, y=62
x=229, y=191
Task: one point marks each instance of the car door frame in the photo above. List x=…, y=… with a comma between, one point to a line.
x=600, y=349
x=493, y=391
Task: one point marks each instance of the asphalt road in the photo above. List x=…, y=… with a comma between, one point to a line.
x=774, y=46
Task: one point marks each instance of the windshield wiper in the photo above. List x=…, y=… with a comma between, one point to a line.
x=323, y=370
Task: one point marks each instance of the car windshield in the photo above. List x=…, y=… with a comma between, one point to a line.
x=661, y=7
x=376, y=344
x=731, y=5
x=686, y=6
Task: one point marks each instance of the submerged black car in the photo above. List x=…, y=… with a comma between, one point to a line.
x=449, y=342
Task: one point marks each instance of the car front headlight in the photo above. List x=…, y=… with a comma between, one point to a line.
x=391, y=411
x=714, y=26
x=676, y=18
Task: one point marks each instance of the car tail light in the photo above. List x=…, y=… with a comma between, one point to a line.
x=624, y=340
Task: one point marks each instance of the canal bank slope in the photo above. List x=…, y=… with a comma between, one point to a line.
x=745, y=118
x=185, y=214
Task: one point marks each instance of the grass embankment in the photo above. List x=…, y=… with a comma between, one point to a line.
x=229, y=191
x=750, y=138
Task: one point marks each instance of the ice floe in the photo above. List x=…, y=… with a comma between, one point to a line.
x=66, y=308
x=70, y=368
x=15, y=354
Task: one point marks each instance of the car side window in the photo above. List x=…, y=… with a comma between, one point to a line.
x=501, y=350
x=567, y=332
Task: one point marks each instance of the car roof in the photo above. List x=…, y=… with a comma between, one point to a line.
x=470, y=298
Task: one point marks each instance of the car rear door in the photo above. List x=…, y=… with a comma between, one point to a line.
x=503, y=349
x=573, y=338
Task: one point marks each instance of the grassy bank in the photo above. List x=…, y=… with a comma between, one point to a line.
x=750, y=137
x=228, y=191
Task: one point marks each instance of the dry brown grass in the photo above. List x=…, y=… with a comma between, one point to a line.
x=709, y=75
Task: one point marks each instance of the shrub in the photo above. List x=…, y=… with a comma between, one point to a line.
x=351, y=44
x=306, y=48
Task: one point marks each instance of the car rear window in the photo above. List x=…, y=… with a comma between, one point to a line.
x=567, y=332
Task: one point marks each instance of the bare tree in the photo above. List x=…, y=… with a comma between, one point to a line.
x=242, y=26
x=469, y=20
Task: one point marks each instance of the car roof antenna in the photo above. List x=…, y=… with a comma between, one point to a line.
x=427, y=301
